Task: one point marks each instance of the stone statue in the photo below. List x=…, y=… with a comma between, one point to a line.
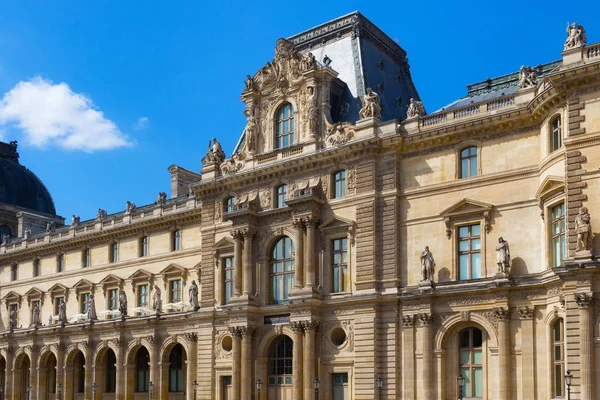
x=215, y=153
x=161, y=199
x=123, y=304
x=427, y=265
x=75, y=219
x=583, y=229
x=62, y=313
x=502, y=256
x=371, y=107
x=12, y=320
x=415, y=109
x=156, y=299
x=35, y=316
x=313, y=110
x=130, y=207
x=91, y=308
x=249, y=84
x=191, y=192
x=250, y=129
x=4, y=239
x=27, y=233
x=193, y=292
x=575, y=36
x=50, y=226
x=308, y=62
x=101, y=214
x=527, y=77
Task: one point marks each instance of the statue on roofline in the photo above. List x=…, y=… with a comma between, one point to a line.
x=371, y=106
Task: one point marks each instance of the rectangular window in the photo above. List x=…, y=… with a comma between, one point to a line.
x=339, y=264
x=229, y=203
x=176, y=245
x=60, y=263
x=144, y=247
x=87, y=260
x=14, y=272
x=175, y=291
x=559, y=241
x=228, y=278
x=113, y=300
x=469, y=252
x=114, y=252
x=142, y=296
x=36, y=267
x=339, y=184
x=556, y=134
x=468, y=162
x=83, y=303
x=558, y=358
x=281, y=196
x=57, y=302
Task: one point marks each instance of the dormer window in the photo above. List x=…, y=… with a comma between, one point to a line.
x=284, y=126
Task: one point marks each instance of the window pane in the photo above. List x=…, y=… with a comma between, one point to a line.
x=476, y=266
x=465, y=357
x=558, y=377
x=475, y=230
x=463, y=231
x=474, y=166
x=477, y=338
x=463, y=245
x=463, y=267
x=464, y=169
x=464, y=338
x=466, y=373
x=478, y=382
x=477, y=357
x=476, y=244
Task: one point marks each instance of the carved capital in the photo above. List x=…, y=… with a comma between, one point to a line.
x=190, y=337
x=238, y=234
x=311, y=221
x=584, y=300
x=310, y=326
x=408, y=321
x=151, y=339
x=426, y=319
x=247, y=331
x=502, y=313
x=296, y=326
x=236, y=331
x=525, y=312
x=248, y=233
x=298, y=223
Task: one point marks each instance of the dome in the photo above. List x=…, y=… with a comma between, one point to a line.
x=19, y=186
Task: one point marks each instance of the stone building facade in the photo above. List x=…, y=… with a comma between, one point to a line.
x=350, y=237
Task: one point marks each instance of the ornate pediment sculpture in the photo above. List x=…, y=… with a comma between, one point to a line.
x=340, y=133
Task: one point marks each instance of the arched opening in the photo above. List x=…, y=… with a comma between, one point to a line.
x=177, y=369
x=284, y=126
x=2, y=372
x=281, y=270
x=106, y=372
x=75, y=374
x=21, y=376
x=142, y=370
x=279, y=368
x=47, y=376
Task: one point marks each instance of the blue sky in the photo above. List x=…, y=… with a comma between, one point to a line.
x=103, y=96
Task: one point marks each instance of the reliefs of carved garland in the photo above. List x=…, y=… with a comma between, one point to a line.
x=265, y=199
x=408, y=321
x=425, y=319
x=502, y=313
x=221, y=353
x=217, y=210
x=584, y=300
x=525, y=312
x=331, y=348
x=340, y=133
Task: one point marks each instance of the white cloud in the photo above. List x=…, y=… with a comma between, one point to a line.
x=52, y=114
x=141, y=124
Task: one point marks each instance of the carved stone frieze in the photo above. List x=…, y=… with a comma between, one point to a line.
x=408, y=321
x=296, y=326
x=329, y=347
x=265, y=199
x=221, y=353
x=310, y=326
x=190, y=337
x=425, y=319
x=340, y=133
x=502, y=313
x=584, y=300
x=525, y=312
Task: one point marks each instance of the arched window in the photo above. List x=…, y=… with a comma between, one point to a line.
x=281, y=273
x=281, y=196
x=284, y=126
x=471, y=361
x=5, y=230
x=468, y=162
x=176, y=369
x=339, y=184
x=556, y=134
x=111, y=372
x=228, y=204
x=142, y=369
x=280, y=361
x=558, y=358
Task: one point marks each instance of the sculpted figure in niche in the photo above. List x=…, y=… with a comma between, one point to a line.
x=250, y=128
x=5, y=238
x=91, y=308
x=415, y=109
x=62, y=313
x=371, y=106
x=575, y=36
x=313, y=110
x=193, y=292
x=35, y=317
x=12, y=320
x=527, y=77
x=156, y=300
x=502, y=256
x=583, y=229
x=123, y=304
x=427, y=265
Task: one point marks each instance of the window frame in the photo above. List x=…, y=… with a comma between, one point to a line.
x=561, y=236
x=83, y=298
x=469, y=158
x=14, y=272
x=281, y=196
x=177, y=370
x=342, y=277
x=144, y=246
x=560, y=344
x=36, y=267
x=60, y=263
x=176, y=239
x=86, y=258
x=280, y=120
x=291, y=273
x=142, y=371
x=339, y=187
x=113, y=252
x=469, y=252
x=471, y=365
x=552, y=133
x=139, y=294
x=228, y=204
x=228, y=282
x=172, y=290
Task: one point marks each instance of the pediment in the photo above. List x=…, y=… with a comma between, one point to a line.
x=465, y=207
x=225, y=242
x=141, y=274
x=34, y=292
x=336, y=223
x=550, y=185
x=58, y=290
x=111, y=280
x=83, y=284
x=173, y=269
x=12, y=297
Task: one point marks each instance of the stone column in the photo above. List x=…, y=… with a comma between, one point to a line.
x=155, y=361
x=297, y=380
x=236, y=375
x=60, y=365
x=311, y=246
x=427, y=343
x=586, y=351
x=298, y=224
x=408, y=357
x=238, y=237
x=8, y=390
x=192, y=363
x=248, y=235
x=310, y=327
x=120, y=369
x=89, y=370
x=527, y=349
x=504, y=372
x=33, y=376
x=246, y=379
x=161, y=386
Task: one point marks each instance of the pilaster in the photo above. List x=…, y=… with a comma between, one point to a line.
x=310, y=328
x=426, y=320
x=297, y=378
x=504, y=373
x=584, y=302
